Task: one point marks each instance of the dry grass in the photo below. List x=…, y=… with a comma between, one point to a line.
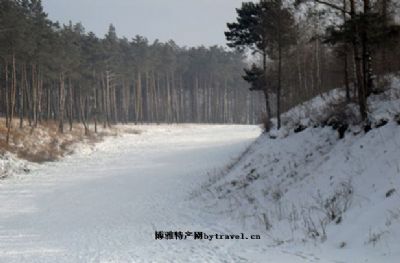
x=132, y=131
x=45, y=143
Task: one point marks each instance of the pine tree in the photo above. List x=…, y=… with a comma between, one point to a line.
x=266, y=28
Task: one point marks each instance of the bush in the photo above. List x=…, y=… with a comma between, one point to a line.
x=338, y=113
x=334, y=206
x=339, y=116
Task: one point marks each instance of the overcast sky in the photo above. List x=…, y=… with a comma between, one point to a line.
x=188, y=22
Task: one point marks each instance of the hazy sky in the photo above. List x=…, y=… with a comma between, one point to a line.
x=188, y=22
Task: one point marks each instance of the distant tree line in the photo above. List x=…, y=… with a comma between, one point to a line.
x=59, y=72
x=304, y=56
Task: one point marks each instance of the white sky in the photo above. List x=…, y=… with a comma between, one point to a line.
x=187, y=22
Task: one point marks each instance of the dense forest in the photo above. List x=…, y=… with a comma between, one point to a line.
x=60, y=72
x=301, y=49
x=308, y=47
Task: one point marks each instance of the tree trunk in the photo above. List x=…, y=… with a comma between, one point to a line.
x=70, y=104
x=138, y=102
x=39, y=96
x=82, y=102
x=386, y=65
x=12, y=99
x=367, y=57
x=358, y=65
x=7, y=96
x=21, y=97
x=107, y=98
x=278, y=91
x=61, y=103
x=346, y=75
x=266, y=92
x=95, y=111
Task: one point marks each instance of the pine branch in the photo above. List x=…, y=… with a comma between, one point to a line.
x=322, y=2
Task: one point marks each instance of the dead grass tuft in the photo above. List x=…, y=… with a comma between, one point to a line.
x=132, y=131
x=44, y=143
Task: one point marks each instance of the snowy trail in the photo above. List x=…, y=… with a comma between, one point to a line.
x=105, y=206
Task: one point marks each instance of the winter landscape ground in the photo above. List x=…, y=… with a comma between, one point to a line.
x=268, y=132
x=312, y=193
x=105, y=205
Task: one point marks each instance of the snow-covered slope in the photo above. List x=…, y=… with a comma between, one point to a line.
x=310, y=191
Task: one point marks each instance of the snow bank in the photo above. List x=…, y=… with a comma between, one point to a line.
x=316, y=112
x=336, y=198
x=11, y=165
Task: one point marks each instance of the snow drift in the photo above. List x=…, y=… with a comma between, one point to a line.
x=312, y=188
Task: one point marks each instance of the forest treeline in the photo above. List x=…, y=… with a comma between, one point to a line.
x=308, y=47
x=303, y=48
x=60, y=72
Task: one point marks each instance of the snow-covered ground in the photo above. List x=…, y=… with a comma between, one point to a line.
x=105, y=205
x=336, y=199
x=310, y=195
x=310, y=191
